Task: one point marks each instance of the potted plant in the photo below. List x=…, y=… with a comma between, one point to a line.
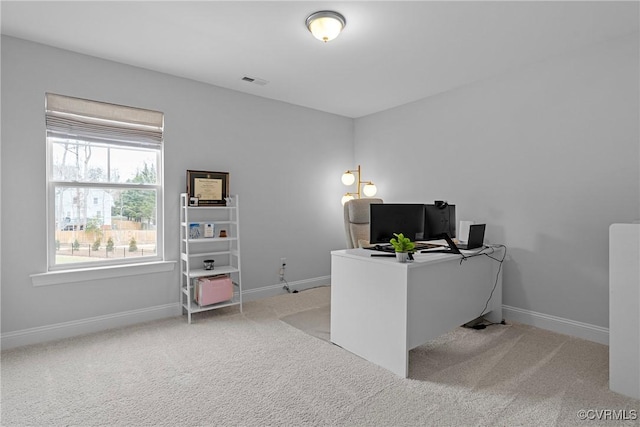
x=402, y=245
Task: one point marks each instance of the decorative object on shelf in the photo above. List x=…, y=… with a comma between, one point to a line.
x=194, y=230
x=208, y=230
x=348, y=178
x=223, y=233
x=403, y=246
x=193, y=201
x=325, y=25
x=208, y=264
x=211, y=290
x=210, y=188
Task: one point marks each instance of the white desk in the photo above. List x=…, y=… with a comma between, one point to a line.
x=624, y=309
x=381, y=309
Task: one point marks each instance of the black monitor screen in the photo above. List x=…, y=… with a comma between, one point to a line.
x=389, y=218
x=439, y=219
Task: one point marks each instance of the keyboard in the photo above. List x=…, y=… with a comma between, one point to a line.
x=422, y=245
x=388, y=248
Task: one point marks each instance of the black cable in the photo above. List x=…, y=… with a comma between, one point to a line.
x=480, y=252
x=286, y=285
x=490, y=323
x=497, y=275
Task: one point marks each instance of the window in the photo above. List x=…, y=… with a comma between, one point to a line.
x=104, y=183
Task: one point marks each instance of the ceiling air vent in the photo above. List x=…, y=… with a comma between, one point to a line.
x=255, y=80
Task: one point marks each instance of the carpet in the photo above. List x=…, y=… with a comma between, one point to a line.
x=254, y=369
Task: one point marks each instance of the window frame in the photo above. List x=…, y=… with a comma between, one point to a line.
x=118, y=265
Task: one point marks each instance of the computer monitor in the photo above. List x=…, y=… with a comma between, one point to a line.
x=439, y=218
x=388, y=218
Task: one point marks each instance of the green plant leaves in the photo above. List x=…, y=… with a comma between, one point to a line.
x=401, y=243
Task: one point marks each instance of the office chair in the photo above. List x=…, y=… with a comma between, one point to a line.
x=356, y=221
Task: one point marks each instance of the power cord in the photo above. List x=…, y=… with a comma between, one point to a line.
x=282, y=279
x=484, y=323
x=286, y=287
x=500, y=261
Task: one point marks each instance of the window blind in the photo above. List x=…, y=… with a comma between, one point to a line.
x=95, y=120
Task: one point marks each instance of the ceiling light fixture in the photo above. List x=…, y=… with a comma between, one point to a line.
x=325, y=25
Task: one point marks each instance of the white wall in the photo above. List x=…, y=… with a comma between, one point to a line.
x=547, y=156
x=284, y=162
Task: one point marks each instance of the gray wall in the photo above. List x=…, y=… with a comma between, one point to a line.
x=284, y=161
x=547, y=156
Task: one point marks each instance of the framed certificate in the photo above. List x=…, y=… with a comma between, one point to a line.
x=209, y=188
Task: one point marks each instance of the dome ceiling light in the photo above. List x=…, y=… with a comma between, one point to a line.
x=325, y=25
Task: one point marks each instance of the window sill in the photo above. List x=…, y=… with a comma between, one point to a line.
x=97, y=273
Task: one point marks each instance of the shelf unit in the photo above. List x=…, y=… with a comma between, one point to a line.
x=225, y=251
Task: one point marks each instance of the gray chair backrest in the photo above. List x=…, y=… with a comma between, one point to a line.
x=356, y=220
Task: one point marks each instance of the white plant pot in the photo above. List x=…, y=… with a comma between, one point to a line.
x=402, y=256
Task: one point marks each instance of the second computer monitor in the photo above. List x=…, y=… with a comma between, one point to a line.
x=389, y=218
x=439, y=218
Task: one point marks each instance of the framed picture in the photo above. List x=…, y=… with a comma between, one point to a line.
x=209, y=188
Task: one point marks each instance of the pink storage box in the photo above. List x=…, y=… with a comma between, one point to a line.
x=210, y=290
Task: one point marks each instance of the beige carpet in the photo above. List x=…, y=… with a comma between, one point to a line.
x=254, y=369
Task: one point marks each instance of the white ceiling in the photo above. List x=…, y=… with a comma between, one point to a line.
x=390, y=53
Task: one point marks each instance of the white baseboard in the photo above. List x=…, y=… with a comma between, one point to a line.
x=95, y=324
x=273, y=290
x=557, y=324
x=58, y=331
x=86, y=326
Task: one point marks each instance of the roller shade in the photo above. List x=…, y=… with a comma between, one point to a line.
x=95, y=120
